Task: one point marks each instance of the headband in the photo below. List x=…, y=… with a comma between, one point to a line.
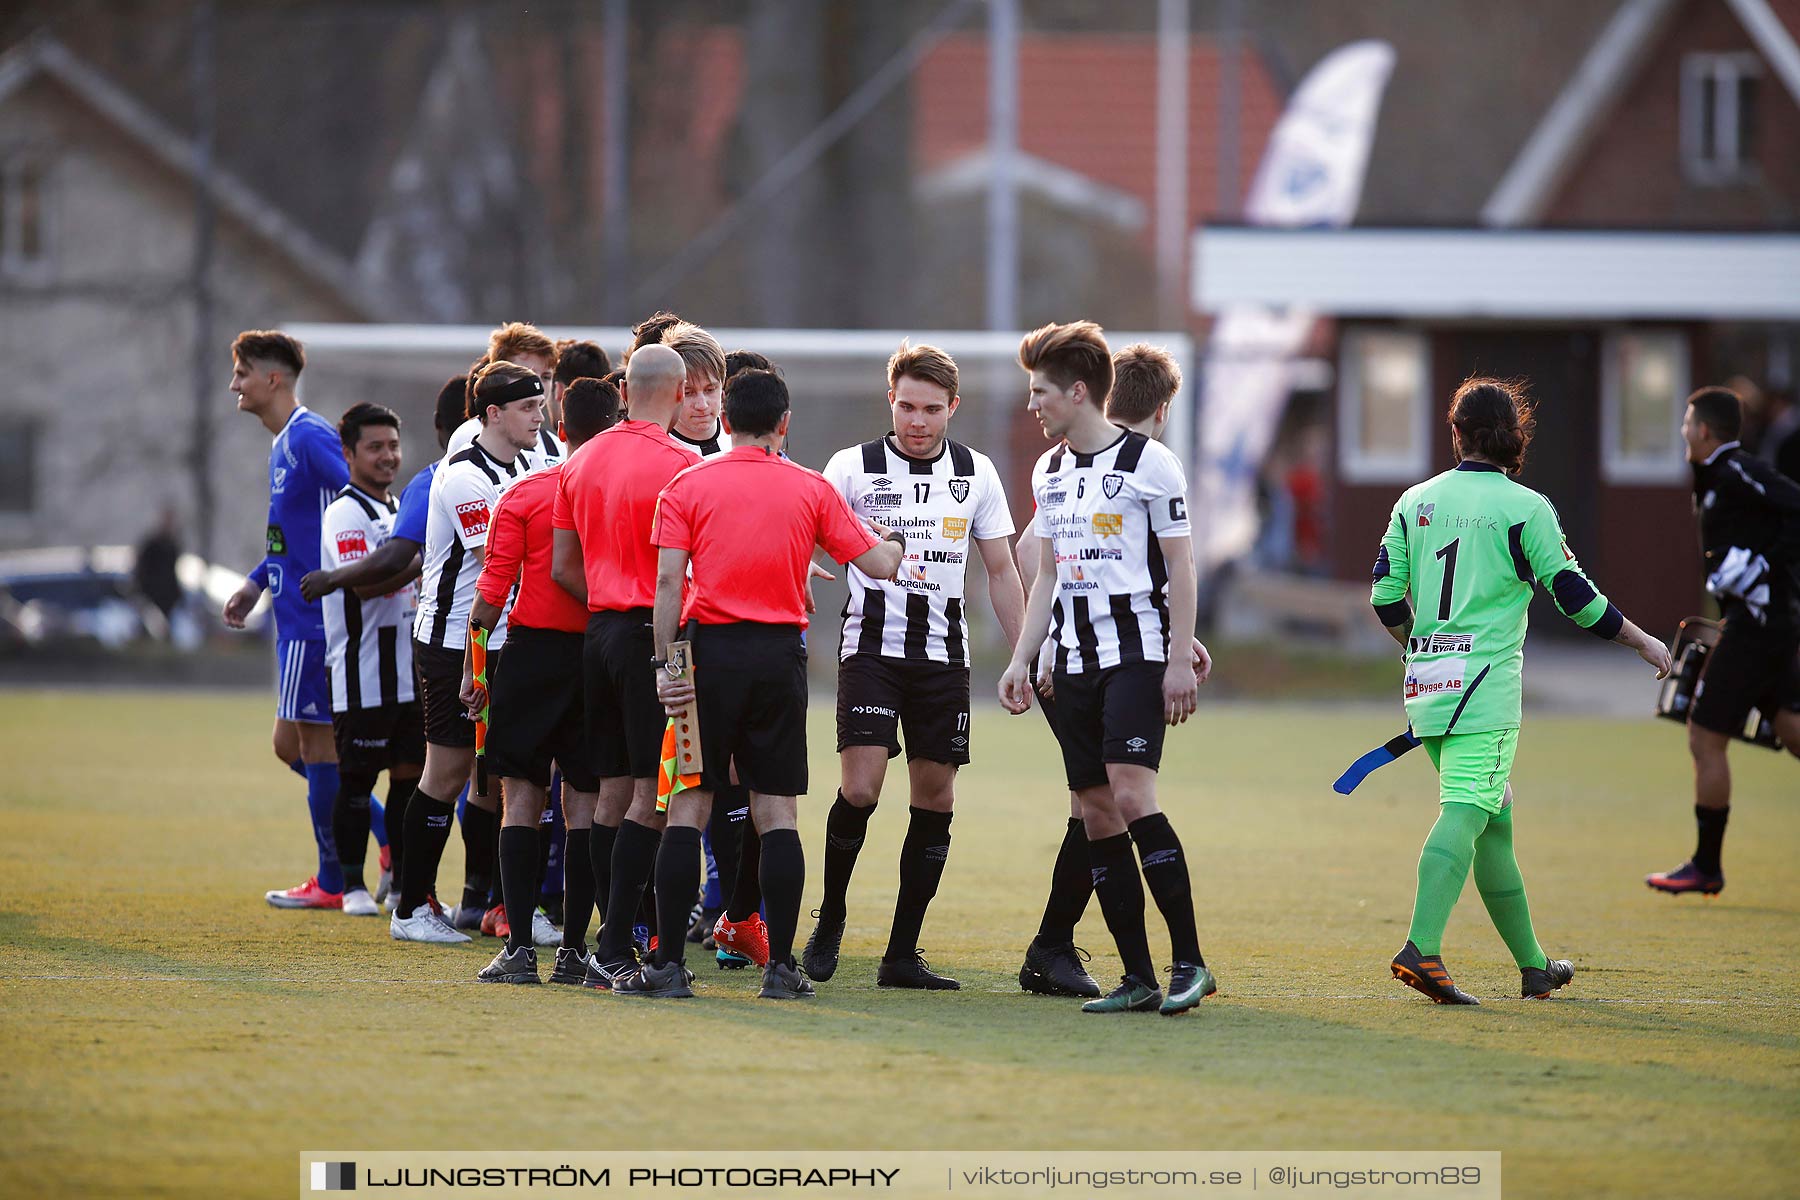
x=506, y=393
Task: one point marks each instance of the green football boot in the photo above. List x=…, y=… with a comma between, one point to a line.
x=1189, y=984
x=1132, y=995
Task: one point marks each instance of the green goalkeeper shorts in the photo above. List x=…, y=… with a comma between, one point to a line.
x=1473, y=767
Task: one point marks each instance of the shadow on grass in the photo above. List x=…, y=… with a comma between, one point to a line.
x=1229, y=1044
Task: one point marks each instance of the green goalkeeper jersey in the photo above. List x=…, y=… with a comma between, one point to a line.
x=1469, y=545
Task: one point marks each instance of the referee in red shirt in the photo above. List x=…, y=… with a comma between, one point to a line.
x=747, y=522
x=605, y=502
x=536, y=711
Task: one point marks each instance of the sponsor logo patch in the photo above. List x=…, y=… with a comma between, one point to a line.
x=473, y=517
x=1109, y=524
x=1435, y=677
x=1136, y=745
x=352, y=544
x=956, y=528
x=873, y=710
x=1424, y=514
x=277, y=540
x=1443, y=643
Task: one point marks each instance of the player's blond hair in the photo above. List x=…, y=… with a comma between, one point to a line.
x=1071, y=352
x=1145, y=378
x=515, y=338
x=700, y=351
x=923, y=362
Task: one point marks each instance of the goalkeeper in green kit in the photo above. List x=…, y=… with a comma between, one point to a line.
x=1469, y=545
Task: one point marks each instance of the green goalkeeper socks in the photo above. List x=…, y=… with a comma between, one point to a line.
x=1443, y=866
x=1503, y=891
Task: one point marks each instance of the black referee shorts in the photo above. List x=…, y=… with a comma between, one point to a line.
x=535, y=710
x=750, y=688
x=878, y=696
x=624, y=718
x=1749, y=668
x=1110, y=716
x=439, y=671
x=372, y=740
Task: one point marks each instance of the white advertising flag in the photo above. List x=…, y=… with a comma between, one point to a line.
x=1311, y=175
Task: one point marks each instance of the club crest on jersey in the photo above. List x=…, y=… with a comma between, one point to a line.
x=1425, y=511
x=1111, y=483
x=1109, y=524
x=352, y=544
x=956, y=528
x=473, y=517
x=959, y=489
x=280, y=479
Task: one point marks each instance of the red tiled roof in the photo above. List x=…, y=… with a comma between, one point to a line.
x=1088, y=103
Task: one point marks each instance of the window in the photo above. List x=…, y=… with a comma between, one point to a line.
x=18, y=470
x=24, y=217
x=1644, y=383
x=1383, y=433
x=1718, y=117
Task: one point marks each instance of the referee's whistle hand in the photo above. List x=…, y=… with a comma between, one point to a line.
x=1181, y=692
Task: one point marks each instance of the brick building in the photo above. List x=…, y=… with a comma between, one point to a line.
x=1645, y=240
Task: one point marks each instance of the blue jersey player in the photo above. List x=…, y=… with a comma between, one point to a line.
x=306, y=470
x=394, y=564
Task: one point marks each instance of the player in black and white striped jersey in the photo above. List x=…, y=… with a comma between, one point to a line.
x=903, y=663
x=697, y=425
x=1115, y=587
x=1145, y=382
x=526, y=345
x=463, y=494
x=368, y=649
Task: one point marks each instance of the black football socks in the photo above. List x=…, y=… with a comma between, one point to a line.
x=922, y=858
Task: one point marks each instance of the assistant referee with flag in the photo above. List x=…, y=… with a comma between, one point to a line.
x=747, y=523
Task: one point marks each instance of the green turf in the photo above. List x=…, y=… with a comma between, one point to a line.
x=163, y=1032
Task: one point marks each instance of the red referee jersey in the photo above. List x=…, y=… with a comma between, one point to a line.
x=749, y=521
x=608, y=497
x=519, y=549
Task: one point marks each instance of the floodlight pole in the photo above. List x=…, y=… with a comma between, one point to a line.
x=615, y=82
x=1172, y=161
x=200, y=279
x=1003, y=144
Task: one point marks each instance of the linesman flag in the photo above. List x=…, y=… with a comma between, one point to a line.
x=669, y=784
x=478, y=653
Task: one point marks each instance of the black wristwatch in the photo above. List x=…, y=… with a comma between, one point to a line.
x=895, y=536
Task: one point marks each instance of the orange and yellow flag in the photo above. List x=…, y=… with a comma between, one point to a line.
x=668, y=783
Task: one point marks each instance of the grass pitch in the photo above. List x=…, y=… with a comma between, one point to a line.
x=163, y=1032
